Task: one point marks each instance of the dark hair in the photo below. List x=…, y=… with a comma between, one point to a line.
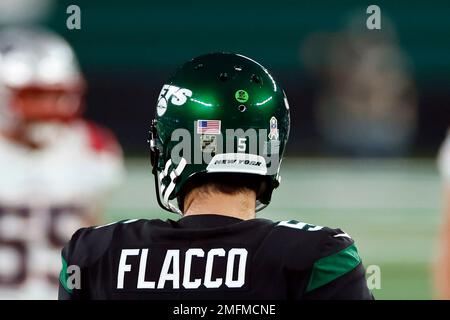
x=228, y=183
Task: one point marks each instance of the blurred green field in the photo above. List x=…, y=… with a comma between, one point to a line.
x=390, y=207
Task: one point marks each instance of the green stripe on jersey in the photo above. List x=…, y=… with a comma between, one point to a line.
x=63, y=275
x=332, y=267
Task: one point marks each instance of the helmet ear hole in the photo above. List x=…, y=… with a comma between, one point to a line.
x=256, y=79
x=199, y=66
x=223, y=76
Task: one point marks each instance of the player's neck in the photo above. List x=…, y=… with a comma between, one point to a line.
x=241, y=205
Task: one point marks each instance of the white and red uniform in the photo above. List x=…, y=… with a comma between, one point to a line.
x=45, y=195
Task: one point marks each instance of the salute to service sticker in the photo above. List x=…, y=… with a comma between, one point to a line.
x=273, y=134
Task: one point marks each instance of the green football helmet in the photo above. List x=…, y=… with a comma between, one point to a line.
x=219, y=113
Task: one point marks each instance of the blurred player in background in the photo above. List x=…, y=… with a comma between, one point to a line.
x=55, y=167
x=367, y=104
x=442, y=270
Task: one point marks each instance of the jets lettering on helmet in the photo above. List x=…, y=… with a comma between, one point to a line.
x=174, y=275
x=178, y=96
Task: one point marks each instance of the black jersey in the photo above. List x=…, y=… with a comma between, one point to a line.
x=211, y=257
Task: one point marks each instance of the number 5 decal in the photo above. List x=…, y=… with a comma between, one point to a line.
x=242, y=144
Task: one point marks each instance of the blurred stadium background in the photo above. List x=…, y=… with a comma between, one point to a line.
x=369, y=108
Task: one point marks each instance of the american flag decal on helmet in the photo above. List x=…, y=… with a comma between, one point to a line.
x=208, y=126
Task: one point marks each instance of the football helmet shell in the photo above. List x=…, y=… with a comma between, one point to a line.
x=218, y=99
